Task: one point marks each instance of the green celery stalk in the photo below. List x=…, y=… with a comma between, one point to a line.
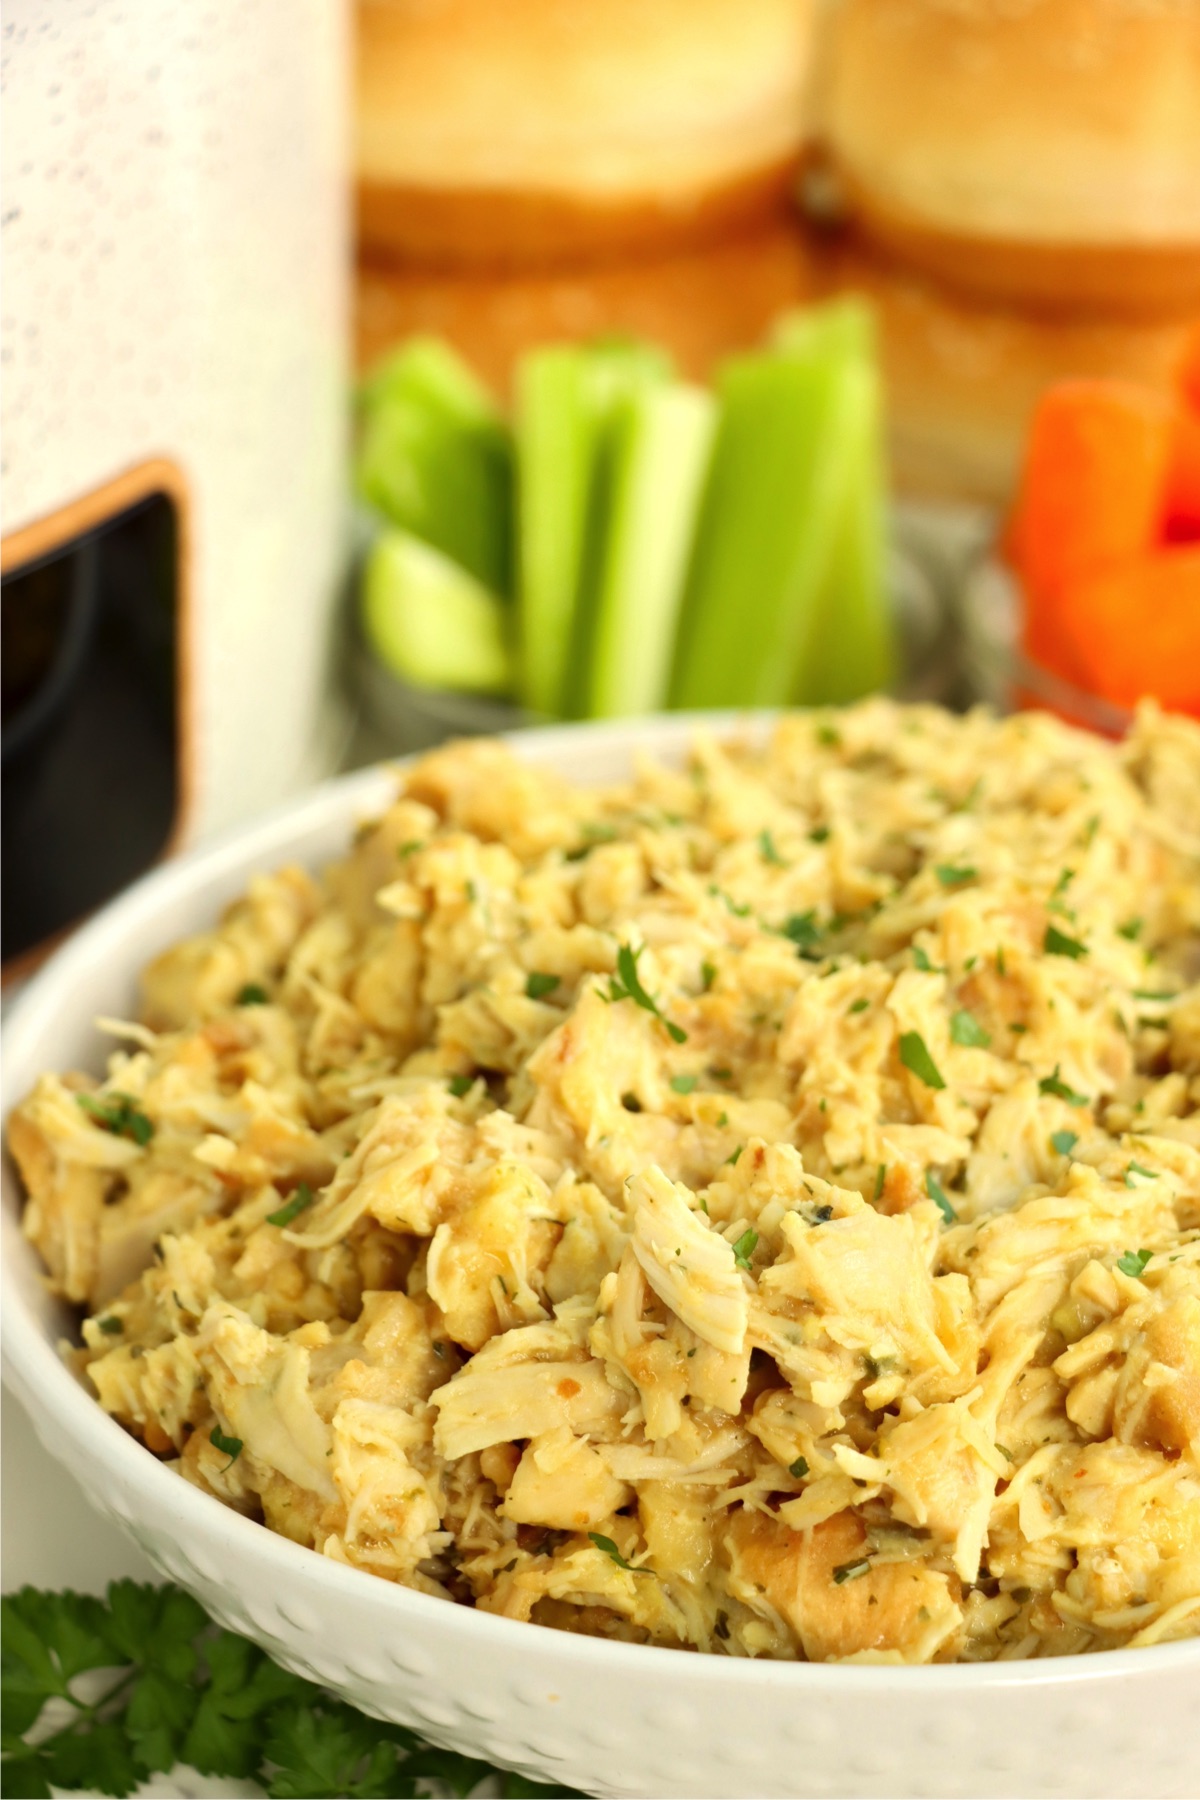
x=567, y=399
x=840, y=328
x=435, y=458
x=432, y=623
x=782, y=465
x=853, y=650
x=663, y=441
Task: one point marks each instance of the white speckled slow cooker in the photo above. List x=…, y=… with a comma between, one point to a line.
x=606, y=1717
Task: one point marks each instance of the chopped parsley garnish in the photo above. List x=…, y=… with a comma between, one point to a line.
x=410, y=848
x=302, y=1198
x=1132, y=929
x=819, y=834
x=1137, y=1169
x=937, y=1194
x=1134, y=1262
x=953, y=874
x=721, y=1074
x=1057, y=943
x=858, y=1006
x=538, y=985
x=110, y=1326
x=1064, y=1141
x=965, y=1029
x=914, y=1054
x=803, y=931
x=228, y=1446
x=460, y=1085
x=708, y=974
x=120, y=1114
x=626, y=985
x=829, y=736
x=921, y=961
x=610, y=1550
x=743, y=1250
x=767, y=850
x=253, y=995
x=799, y=1468
x=739, y=908
x=880, y=1178
x=1158, y=994
x=682, y=1084
x=730, y=1160
x=1054, y=1084
x=850, y=1571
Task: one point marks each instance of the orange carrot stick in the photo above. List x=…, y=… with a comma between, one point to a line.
x=1181, y=510
x=1134, y=630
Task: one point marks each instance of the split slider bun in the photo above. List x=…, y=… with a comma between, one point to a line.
x=1045, y=151
x=510, y=131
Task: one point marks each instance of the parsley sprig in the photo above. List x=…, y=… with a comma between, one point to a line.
x=170, y=1687
x=626, y=984
x=120, y=1114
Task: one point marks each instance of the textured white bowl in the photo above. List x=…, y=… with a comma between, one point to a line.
x=606, y=1717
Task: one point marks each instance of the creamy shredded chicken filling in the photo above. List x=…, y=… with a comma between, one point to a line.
x=754, y=1208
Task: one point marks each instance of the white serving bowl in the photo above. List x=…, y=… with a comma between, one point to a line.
x=610, y=1718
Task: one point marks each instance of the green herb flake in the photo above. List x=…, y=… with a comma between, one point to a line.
x=921, y=961
x=937, y=1194
x=110, y=1326
x=1064, y=1141
x=743, y=1250
x=119, y=1113
x=819, y=834
x=228, y=1446
x=682, y=1084
x=1133, y=1262
x=708, y=974
x=1161, y=995
x=858, y=1006
x=829, y=736
x=731, y=1160
x=1057, y=943
x=626, y=985
x=880, y=1178
x=914, y=1054
x=1054, y=1084
x=302, y=1198
x=965, y=1029
x=850, y=1571
x=1137, y=1169
x=767, y=850
x=410, y=848
x=1132, y=929
x=538, y=985
x=460, y=1085
x=799, y=1468
x=253, y=995
x=802, y=930
x=610, y=1550
x=954, y=874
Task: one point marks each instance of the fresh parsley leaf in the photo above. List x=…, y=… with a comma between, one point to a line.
x=767, y=850
x=328, y=1749
x=859, y=1005
x=1162, y=995
x=460, y=1085
x=119, y=1113
x=850, y=1571
x=1057, y=943
x=111, y=1327
x=799, y=1468
x=937, y=1194
x=1132, y=929
x=819, y=834
x=302, y=1198
x=743, y=1250
x=914, y=1054
x=1064, y=1141
x=1054, y=1084
x=802, y=929
x=229, y=1446
x=1134, y=1262
x=880, y=1178
x=626, y=985
x=732, y=1159
x=921, y=961
x=682, y=1084
x=610, y=1550
x=965, y=1029
x=537, y=985
x=708, y=974
x=954, y=874
x=253, y=995
x=1137, y=1169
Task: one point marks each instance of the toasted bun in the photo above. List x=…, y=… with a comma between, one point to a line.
x=504, y=131
x=1047, y=151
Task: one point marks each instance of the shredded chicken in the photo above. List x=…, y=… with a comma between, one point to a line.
x=755, y=1208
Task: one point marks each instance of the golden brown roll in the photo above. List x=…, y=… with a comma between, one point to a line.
x=511, y=131
x=1046, y=151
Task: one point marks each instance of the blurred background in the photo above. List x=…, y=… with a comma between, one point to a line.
x=377, y=373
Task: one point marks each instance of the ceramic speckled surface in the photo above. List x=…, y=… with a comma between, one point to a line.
x=174, y=239
x=611, y=1718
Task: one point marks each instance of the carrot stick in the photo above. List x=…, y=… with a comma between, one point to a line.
x=1181, y=510
x=1134, y=629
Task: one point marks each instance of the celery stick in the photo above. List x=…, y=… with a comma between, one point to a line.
x=435, y=458
x=664, y=439
x=430, y=622
x=853, y=648
x=840, y=328
x=784, y=456
x=567, y=398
